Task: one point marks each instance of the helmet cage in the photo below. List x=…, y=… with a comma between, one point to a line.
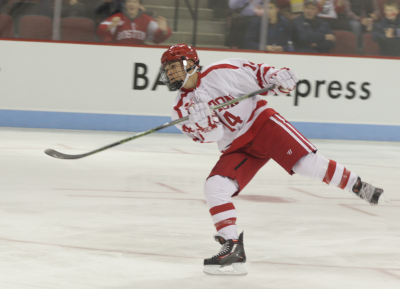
x=177, y=79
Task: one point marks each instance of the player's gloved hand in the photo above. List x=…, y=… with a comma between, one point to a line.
x=201, y=116
x=285, y=79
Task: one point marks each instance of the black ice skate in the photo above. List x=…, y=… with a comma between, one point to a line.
x=367, y=192
x=231, y=254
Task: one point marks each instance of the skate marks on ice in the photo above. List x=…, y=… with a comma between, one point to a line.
x=123, y=230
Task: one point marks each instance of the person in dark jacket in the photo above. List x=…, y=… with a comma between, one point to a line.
x=279, y=31
x=311, y=33
x=361, y=14
x=242, y=13
x=387, y=32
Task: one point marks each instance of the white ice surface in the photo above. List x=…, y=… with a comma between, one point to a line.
x=134, y=217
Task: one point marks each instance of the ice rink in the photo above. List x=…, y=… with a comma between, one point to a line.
x=134, y=217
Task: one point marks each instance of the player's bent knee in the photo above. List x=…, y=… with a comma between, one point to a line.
x=313, y=166
x=218, y=190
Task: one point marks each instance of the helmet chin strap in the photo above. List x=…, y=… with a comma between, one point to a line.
x=184, y=62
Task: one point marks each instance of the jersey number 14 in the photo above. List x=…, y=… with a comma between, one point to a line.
x=231, y=120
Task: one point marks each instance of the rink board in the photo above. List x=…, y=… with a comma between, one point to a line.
x=138, y=123
x=116, y=88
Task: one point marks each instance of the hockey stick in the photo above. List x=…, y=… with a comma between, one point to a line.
x=58, y=155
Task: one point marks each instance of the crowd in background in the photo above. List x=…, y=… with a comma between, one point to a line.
x=307, y=26
x=114, y=21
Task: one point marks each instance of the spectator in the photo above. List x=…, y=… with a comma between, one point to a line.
x=279, y=31
x=312, y=34
x=246, y=7
x=238, y=23
x=73, y=8
x=131, y=26
x=387, y=32
x=334, y=12
x=362, y=14
x=291, y=9
x=106, y=8
x=220, y=8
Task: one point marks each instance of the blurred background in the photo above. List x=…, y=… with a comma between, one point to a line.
x=360, y=27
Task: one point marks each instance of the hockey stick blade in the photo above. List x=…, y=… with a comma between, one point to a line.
x=58, y=155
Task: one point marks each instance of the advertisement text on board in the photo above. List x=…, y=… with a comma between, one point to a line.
x=319, y=88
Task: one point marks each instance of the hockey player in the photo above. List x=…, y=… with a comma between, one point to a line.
x=248, y=133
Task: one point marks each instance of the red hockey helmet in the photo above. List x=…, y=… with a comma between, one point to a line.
x=176, y=78
x=176, y=52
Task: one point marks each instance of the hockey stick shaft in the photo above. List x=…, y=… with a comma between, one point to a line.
x=56, y=154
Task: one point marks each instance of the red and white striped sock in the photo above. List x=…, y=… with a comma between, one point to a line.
x=319, y=168
x=218, y=191
x=224, y=218
x=337, y=175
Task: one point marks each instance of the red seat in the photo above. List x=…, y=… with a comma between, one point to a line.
x=370, y=46
x=346, y=43
x=6, y=26
x=77, y=29
x=35, y=27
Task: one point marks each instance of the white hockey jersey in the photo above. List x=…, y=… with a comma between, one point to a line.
x=218, y=83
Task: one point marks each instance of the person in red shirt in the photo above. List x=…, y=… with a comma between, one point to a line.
x=131, y=26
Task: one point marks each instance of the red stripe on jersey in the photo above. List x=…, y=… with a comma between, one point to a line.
x=225, y=223
x=222, y=208
x=187, y=90
x=219, y=66
x=260, y=83
x=202, y=137
x=180, y=103
x=330, y=172
x=345, y=179
x=260, y=103
x=301, y=138
x=305, y=140
x=266, y=69
x=248, y=65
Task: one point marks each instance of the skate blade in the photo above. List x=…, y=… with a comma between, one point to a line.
x=234, y=269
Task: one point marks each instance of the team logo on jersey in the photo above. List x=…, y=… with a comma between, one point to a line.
x=222, y=99
x=125, y=34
